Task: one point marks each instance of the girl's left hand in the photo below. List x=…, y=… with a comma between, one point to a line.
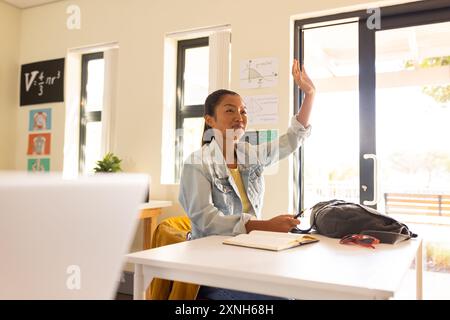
x=301, y=79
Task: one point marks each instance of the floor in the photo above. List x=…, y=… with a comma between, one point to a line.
x=121, y=296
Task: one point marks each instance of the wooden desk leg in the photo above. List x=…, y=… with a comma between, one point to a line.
x=419, y=272
x=150, y=225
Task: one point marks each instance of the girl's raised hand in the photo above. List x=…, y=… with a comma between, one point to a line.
x=302, y=79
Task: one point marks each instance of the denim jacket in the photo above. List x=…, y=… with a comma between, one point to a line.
x=209, y=194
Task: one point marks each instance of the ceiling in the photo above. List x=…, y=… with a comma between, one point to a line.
x=22, y=4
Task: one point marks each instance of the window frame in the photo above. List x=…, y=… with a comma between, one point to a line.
x=397, y=16
x=86, y=117
x=184, y=111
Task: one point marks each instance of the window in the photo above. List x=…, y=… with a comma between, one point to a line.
x=192, y=90
x=92, y=89
x=333, y=67
x=383, y=139
x=379, y=82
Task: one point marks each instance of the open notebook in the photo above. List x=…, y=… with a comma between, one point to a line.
x=268, y=240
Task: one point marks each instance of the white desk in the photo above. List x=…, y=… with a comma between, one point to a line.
x=323, y=270
x=155, y=204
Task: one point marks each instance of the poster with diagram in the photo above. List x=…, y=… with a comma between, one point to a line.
x=38, y=165
x=40, y=120
x=262, y=109
x=259, y=73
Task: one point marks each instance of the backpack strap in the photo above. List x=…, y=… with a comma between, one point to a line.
x=305, y=231
x=315, y=210
x=302, y=231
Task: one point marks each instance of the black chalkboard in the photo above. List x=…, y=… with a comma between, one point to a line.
x=42, y=82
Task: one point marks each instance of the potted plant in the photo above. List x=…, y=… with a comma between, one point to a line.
x=110, y=163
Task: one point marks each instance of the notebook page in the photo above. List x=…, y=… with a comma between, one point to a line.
x=272, y=234
x=263, y=242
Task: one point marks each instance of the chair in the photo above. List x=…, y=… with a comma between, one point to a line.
x=169, y=231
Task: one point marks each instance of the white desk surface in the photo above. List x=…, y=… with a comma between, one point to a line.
x=321, y=270
x=154, y=204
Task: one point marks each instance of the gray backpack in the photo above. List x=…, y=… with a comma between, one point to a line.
x=338, y=218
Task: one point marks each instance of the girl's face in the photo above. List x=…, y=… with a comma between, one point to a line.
x=231, y=117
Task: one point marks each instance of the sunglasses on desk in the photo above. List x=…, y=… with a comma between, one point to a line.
x=361, y=240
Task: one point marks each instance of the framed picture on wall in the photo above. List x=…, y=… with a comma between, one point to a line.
x=39, y=144
x=40, y=120
x=38, y=165
x=42, y=82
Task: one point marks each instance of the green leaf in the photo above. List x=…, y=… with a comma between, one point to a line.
x=109, y=163
x=440, y=94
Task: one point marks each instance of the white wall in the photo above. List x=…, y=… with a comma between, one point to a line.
x=259, y=29
x=9, y=80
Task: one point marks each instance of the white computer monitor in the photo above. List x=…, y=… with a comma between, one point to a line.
x=66, y=239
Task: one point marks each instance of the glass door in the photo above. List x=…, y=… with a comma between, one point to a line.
x=380, y=124
x=331, y=153
x=413, y=113
x=412, y=139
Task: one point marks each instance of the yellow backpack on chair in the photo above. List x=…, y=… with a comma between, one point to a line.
x=170, y=231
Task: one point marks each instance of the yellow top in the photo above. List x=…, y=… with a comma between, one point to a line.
x=246, y=205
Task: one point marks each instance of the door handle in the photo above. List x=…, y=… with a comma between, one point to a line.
x=375, y=179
